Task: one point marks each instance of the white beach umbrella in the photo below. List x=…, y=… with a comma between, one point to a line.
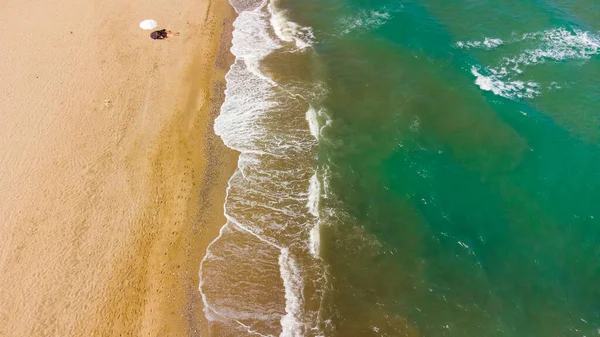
x=148, y=24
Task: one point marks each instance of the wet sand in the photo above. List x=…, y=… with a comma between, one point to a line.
x=112, y=181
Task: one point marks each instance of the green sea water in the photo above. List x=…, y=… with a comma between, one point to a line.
x=410, y=168
x=462, y=165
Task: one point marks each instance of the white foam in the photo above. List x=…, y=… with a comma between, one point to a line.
x=263, y=199
x=241, y=6
x=326, y=174
x=487, y=43
x=324, y=116
x=252, y=41
x=313, y=123
x=314, y=195
x=291, y=322
x=558, y=44
x=415, y=125
x=462, y=244
x=208, y=310
x=507, y=78
x=290, y=31
x=496, y=83
x=364, y=20
x=315, y=240
x=314, y=192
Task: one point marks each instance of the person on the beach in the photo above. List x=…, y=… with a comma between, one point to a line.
x=162, y=34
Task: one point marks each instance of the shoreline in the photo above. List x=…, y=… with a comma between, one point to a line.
x=110, y=223
x=192, y=164
x=263, y=274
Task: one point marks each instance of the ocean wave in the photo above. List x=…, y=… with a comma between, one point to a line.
x=289, y=31
x=254, y=274
x=313, y=122
x=364, y=20
x=314, y=193
x=495, y=82
x=487, y=43
x=557, y=45
x=509, y=77
x=291, y=322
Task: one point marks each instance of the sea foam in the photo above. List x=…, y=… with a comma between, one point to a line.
x=289, y=31
x=271, y=235
x=487, y=43
x=509, y=78
x=364, y=20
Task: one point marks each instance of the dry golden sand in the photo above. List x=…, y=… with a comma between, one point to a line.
x=106, y=207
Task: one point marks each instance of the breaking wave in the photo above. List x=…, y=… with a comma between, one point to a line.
x=263, y=275
x=363, y=21
x=509, y=78
x=487, y=43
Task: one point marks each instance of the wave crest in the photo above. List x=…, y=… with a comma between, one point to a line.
x=262, y=275
x=509, y=77
x=364, y=20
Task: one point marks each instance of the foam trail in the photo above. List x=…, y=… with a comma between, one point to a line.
x=510, y=89
x=289, y=31
x=292, y=283
x=313, y=195
x=509, y=78
x=271, y=232
x=487, y=43
x=313, y=123
x=314, y=192
x=364, y=20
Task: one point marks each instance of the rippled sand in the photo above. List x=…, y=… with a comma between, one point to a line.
x=111, y=179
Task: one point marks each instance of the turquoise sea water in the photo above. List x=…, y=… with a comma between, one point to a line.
x=420, y=168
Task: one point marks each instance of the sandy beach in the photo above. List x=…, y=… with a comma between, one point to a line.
x=112, y=181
